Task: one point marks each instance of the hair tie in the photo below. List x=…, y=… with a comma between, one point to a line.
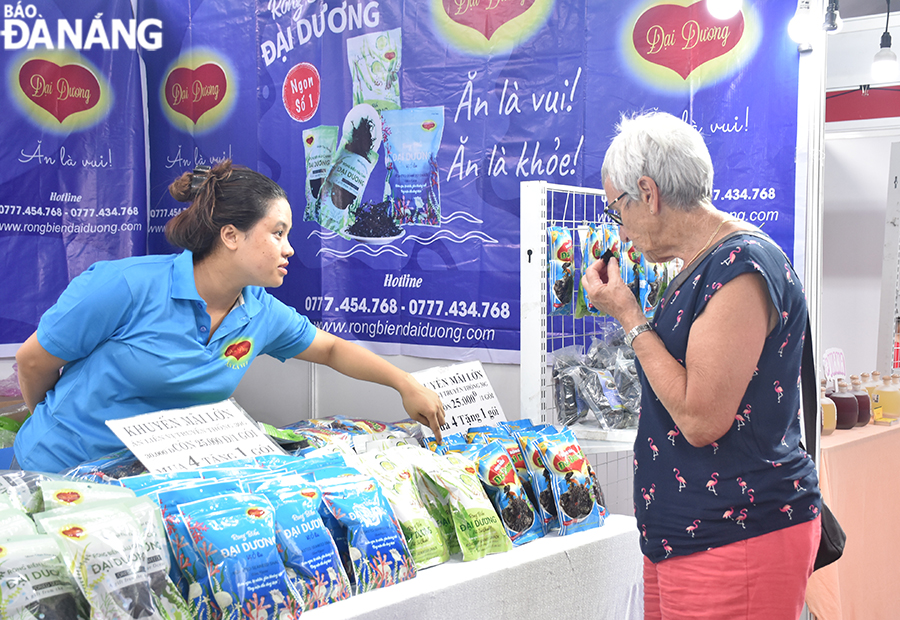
x=199, y=177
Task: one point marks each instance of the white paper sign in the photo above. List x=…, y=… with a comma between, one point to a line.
x=180, y=439
x=466, y=394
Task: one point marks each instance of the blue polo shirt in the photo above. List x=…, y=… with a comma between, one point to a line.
x=134, y=332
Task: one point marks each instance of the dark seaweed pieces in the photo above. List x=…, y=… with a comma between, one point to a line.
x=361, y=141
x=597, y=490
x=518, y=515
x=314, y=186
x=59, y=607
x=546, y=499
x=577, y=501
x=565, y=286
x=374, y=220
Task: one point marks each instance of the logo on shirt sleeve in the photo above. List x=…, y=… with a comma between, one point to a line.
x=237, y=352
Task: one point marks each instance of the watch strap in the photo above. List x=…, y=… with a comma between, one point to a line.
x=636, y=331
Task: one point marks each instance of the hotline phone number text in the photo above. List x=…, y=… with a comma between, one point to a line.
x=414, y=307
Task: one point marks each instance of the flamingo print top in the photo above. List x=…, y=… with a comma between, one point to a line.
x=756, y=478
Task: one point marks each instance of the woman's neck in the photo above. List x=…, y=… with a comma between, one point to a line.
x=215, y=283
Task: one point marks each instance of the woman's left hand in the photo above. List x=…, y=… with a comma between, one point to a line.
x=608, y=293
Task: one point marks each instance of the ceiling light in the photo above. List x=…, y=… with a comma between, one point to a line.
x=802, y=26
x=884, y=66
x=723, y=9
x=833, y=22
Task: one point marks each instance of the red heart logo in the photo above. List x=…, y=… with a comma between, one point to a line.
x=62, y=91
x=683, y=38
x=485, y=16
x=194, y=92
x=238, y=350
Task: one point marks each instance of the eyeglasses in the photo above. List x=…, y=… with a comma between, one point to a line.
x=614, y=215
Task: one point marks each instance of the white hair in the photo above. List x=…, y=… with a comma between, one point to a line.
x=666, y=149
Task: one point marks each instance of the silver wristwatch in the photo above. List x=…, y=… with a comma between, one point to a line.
x=639, y=329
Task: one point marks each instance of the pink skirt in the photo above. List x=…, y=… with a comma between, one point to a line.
x=762, y=577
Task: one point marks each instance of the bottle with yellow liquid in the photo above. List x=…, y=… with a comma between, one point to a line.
x=887, y=396
x=829, y=413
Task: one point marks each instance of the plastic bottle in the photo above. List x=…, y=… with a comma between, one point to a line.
x=847, y=406
x=862, y=399
x=887, y=396
x=829, y=413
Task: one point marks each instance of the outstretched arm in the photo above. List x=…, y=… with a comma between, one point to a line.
x=422, y=404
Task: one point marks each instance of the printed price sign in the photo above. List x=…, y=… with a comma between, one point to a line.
x=466, y=394
x=181, y=439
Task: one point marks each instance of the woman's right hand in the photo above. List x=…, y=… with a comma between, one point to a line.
x=603, y=284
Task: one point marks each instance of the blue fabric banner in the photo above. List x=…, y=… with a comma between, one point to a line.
x=72, y=177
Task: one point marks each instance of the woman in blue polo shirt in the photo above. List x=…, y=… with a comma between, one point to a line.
x=151, y=333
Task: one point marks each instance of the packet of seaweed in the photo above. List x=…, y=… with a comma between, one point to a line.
x=235, y=534
x=67, y=494
x=34, y=582
x=540, y=479
x=142, y=481
x=477, y=525
x=561, y=270
x=350, y=168
x=423, y=535
x=307, y=549
x=567, y=366
x=15, y=523
x=655, y=275
x=103, y=548
x=497, y=474
x=597, y=390
x=157, y=561
x=574, y=485
x=435, y=500
x=23, y=488
x=412, y=139
x=108, y=468
x=378, y=550
x=318, y=147
x=374, y=60
x=633, y=271
x=187, y=559
x=590, y=239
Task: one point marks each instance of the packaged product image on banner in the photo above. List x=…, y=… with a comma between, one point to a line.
x=318, y=147
x=374, y=60
x=412, y=138
x=350, y=168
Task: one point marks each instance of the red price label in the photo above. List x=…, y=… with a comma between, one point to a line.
x=301, y=91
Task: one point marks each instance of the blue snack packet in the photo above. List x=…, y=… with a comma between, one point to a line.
x=499, y=478
x=235, y=536
x=561, y=271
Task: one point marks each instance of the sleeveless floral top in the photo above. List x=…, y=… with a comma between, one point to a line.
x=756, y=478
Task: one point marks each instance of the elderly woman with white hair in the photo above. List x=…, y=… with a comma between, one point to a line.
x=726, y=499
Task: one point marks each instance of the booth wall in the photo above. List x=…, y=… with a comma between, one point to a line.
x=857, y=158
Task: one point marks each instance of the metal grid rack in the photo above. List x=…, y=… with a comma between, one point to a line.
x=546, y=204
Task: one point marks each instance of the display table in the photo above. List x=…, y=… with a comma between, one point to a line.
x=595, y=574
x=859, y=476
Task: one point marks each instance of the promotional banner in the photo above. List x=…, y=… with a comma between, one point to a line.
x=400, y=131
x=72, y=172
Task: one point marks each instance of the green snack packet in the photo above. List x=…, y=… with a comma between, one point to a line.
x=69, y=494
x=34, y=583
x=318, y=147
x=374, y=61
x=15, y=523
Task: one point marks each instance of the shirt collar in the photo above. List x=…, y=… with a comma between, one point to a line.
x=184, y=287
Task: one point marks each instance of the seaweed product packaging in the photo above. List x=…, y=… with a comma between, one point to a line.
x=374, y=60
x=157, y=558
x=632, y=265
x=567, y=367
x=142, y=481
x=540, y=478
x=436, y=502
x=395, y=474
x=350, y=168
x=499, y=478
x=574, y=485
x=307, y=548
x=597, y=390
x=412, y=139
x=561, y=270
x=235, y=534
x=103, y=548
x=108, y=468
x=590, y=239
x=67, y=494
x=656, y=278
x=23, y=488
x=188, y=561
x=15, y=523
x=477, y=524
x=318, y=147
x=378, y=550
x=34, y=582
